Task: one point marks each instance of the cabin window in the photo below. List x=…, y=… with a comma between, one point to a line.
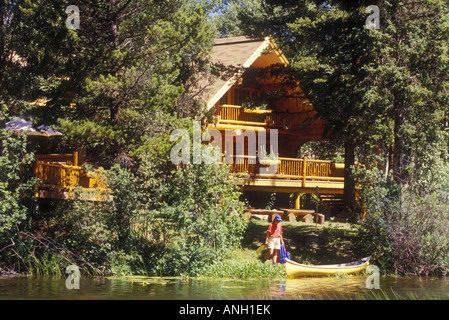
x=240, y=95
x=223, y=100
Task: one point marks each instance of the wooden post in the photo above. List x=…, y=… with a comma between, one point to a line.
x=316, y=210
x=75, y=158
x=304, y=172
x=297, y=200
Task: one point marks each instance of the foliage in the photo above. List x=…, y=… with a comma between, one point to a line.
x=195, y=218
x=224, y=14
x=407, y=87
x=17, y=201
x=405, y=229
x=321, y=150
x=159, y=222
x=114, y=79
x=116, y=87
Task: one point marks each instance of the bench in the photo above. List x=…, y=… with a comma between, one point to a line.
x=269, y=214
x=305, y=215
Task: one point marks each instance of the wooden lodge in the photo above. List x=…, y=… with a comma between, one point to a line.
x=292, y=119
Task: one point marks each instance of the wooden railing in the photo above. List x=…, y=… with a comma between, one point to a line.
x=59, y=175
x=66, y=176
x=68, y=159
x=237, y=114
x=287, y=168
x=61, y=171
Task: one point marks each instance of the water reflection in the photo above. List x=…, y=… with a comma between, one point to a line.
x=171, y=288
x=323, y=288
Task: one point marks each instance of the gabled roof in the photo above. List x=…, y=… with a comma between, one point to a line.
x=240, y=52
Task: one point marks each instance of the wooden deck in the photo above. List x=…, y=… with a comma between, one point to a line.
x=290, y=175
x=60, y=175
x=61, y=178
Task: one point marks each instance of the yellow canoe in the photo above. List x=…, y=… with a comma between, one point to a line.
x=296, y=270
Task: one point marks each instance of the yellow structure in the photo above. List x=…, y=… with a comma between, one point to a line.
x=61, y=177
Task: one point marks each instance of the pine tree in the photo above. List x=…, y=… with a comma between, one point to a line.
x=126, y=73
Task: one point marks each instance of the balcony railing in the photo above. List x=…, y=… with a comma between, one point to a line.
x=231, y=114
x=288, y=168
x=236, y=115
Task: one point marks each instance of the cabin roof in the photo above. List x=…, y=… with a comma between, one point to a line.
x=240, y=52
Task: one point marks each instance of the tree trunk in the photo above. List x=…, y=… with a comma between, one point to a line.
x=349, y=187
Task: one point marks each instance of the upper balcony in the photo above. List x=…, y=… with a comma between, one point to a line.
x=231, y=116
x=237, y=115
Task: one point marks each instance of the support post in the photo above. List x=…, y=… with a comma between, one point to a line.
x=304, y=172
x=297, y=200
x=75, y=158
x=316, y=210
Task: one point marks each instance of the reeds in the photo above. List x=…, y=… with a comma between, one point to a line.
x=244, y=269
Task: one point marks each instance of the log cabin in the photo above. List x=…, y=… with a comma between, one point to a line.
x=290, y=117
x=280, y=125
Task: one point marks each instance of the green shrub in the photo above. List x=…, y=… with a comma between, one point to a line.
x=406, y=230
x=17, y=201
x=161, y=221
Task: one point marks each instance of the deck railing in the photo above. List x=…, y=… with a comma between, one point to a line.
x=288, y=168
x=68, y=159
x=237, y=114
x=62, y=171
x=57, y=175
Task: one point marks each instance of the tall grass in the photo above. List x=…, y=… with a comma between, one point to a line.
x=244, y=269
x=50, y=264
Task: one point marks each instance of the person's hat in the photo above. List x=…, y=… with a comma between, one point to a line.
x=278, y=217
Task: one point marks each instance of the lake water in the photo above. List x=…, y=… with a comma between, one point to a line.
x=159, y=288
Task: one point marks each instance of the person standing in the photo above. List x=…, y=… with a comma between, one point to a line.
x=274, y=239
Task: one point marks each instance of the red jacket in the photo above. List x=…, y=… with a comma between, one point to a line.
x=274, y=230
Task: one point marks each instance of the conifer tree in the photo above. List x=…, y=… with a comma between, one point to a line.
x=127, y=72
